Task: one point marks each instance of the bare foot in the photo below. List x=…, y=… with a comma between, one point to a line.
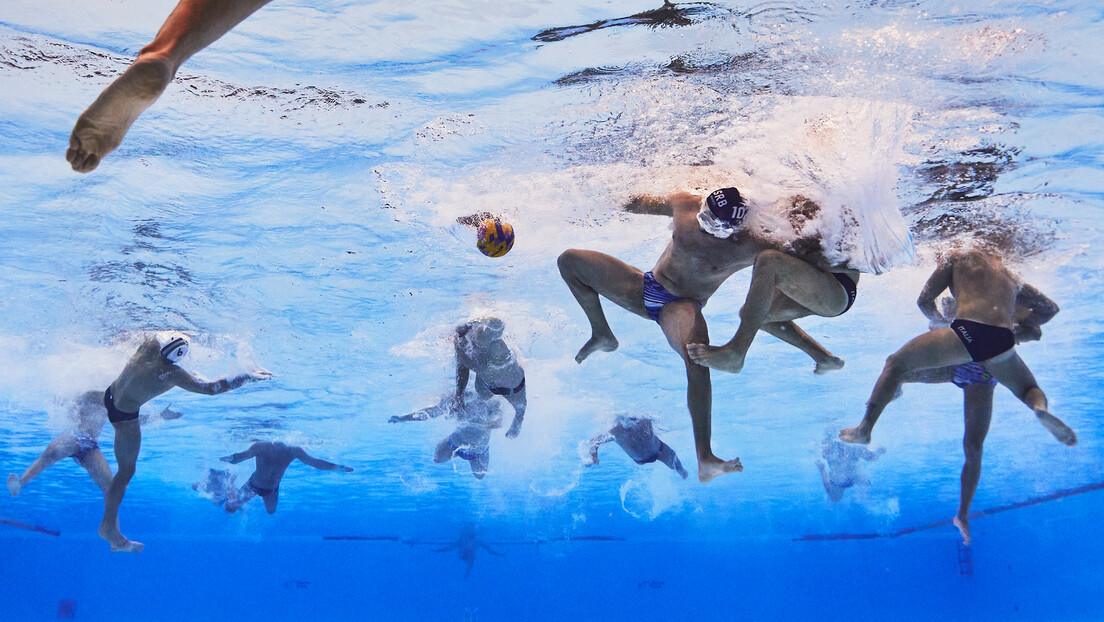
x=1056, y=426
x=597, y=343
x=712, y=467
x=964, y=529
x=13, y=484
x=118, y=542
x=102, y=127
x=830, y=364
x=855, y=435
x=721, y=359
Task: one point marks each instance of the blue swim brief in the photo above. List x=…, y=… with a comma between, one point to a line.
x=466, y=452
x=972, y=373
x=656, y=297
x=85, y=444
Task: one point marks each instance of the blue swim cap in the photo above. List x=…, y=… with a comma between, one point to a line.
x=722, y=212
x=727, y=205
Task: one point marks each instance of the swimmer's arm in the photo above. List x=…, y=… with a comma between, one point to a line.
x=321, y=465
x=519, y=402
x=421, y=415
x=604, y=437
x=241, y=456
x=484, y=546
x=948, y=307
x=1033, y=308
x=185, y=380
x=937, y=282
x=462, y=373
x=649, y=205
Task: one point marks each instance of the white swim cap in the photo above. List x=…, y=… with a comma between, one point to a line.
x=174, y=346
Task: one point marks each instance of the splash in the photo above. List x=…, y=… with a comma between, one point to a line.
x=651, y=496
x=843, y=154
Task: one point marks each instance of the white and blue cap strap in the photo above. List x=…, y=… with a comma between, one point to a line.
x=173, y=347
x=722, y=212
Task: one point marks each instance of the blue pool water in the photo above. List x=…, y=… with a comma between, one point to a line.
x=292, y=200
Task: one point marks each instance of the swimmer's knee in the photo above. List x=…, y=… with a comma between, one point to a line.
x=894, y=366
x=566, y=260
x=769, y=259
x=694, y=370
x=973, y=450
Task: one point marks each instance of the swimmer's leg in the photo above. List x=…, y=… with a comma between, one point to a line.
x=443, y=452
x=670, y=458
x=98, y=469
x=683, y=323
x=61, y=447
x=192, y=26
x=792, y=334
x=1012, y=372
x=236, y=500
x=937, y=348
x=775, y=274
x=271, y=500
x=835, y=493
x=930, y=375
x=479, y=465
x=590, y=274
x=128, y=442
x=978, y=409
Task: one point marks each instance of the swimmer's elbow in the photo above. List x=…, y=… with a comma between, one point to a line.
x=928, y=308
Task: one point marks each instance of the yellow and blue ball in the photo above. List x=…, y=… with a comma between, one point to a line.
x=496, y=238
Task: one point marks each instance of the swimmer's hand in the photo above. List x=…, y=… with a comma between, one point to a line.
x=1027, y=333
x=259, y=374
x=229, y=459
x=936, y=324
x=514, y=430
x=394, y=419
x=590, y=461
x=168, y=414
x=944, y=314
x=344, y=469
